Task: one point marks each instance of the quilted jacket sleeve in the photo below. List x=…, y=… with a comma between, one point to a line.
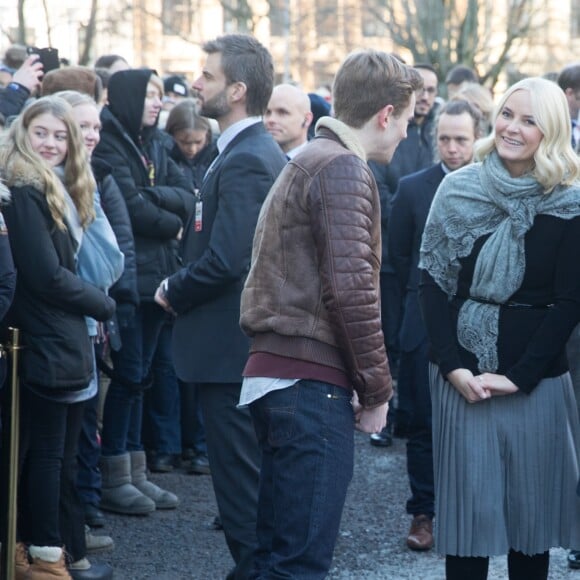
x=345, y=221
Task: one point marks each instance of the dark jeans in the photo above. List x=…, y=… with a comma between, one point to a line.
x=414, y=379
x=306, y=433
x=49, y=509
x=192, y=427
x=89, y=475
x=123, y=412
x=162, y=413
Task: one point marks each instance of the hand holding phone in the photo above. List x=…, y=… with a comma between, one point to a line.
x=47, y=56
x=29, y=74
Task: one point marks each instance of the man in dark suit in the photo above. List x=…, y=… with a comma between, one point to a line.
x=569, y=82
x=416, y=152
x=457, y=130
x=209, y=348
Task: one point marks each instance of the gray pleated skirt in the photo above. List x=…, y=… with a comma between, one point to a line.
x=506, y=470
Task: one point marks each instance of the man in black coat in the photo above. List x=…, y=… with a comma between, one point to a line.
x=414, y=153
x=457, y=130
x=209, y=348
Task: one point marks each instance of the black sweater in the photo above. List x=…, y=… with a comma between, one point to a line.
x=531, y=341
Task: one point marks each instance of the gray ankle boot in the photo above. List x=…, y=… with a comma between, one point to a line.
x=118, y=495
x=164, y=500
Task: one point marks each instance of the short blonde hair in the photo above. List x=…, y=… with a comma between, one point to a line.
x=555, y=161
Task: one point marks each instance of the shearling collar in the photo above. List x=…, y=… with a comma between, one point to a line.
x=344, y=133
x=19, y=173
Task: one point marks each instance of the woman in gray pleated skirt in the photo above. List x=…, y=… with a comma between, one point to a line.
x=500, y=295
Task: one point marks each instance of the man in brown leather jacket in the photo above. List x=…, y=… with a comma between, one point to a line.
x=317, y=365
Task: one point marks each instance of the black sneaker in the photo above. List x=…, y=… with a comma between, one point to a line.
x=162, y=463
x=94, y=517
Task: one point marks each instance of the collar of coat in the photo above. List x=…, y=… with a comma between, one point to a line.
x=18, y=172
x=344, y=133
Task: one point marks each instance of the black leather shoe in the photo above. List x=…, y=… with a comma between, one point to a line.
x=574, y=559
x=200, y=465
x=162, y=463
x=94, y=571
x=216, y=524
x=382, y=439
x=94, y=517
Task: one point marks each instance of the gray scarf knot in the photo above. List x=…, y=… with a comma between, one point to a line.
x=472, y=202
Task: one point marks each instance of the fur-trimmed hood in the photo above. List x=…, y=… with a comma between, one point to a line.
x=18, y=172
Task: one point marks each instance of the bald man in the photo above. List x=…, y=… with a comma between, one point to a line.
x=288, y=117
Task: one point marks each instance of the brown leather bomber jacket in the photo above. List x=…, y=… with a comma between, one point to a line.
x=312, y=292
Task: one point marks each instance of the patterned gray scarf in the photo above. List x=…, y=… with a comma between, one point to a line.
x=474, y=201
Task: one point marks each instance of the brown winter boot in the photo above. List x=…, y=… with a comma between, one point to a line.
x=48, y=563
x=21, y=563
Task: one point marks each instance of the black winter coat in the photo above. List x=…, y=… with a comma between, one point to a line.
x=13, y=99
x=125, y=289
x=193, y=169
x=158, y=197
x=51, y=301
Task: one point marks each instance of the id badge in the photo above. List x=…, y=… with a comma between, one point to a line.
x=198, y=215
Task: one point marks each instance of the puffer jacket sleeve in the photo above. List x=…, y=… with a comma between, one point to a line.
x=345, y=220
x=147, y=218
x=125, y=290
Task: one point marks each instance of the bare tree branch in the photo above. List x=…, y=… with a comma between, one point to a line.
x=448, y=32
x=47, y=20
x=21, y=23
x=90, y=31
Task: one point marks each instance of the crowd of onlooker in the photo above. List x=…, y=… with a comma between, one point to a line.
x=102, y=173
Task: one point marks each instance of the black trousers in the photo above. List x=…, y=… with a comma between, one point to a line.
x=234, y=459
x=50, y=511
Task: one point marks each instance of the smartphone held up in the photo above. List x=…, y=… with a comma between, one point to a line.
x=47, y=56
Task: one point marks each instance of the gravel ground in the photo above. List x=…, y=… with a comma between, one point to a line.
x=180, y=544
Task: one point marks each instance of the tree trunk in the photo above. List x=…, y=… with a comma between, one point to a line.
x=89, y=34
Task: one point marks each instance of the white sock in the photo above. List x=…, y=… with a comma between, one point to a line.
x=46, y=553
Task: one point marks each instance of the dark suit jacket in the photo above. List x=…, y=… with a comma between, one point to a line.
x=408, y=216
x=208, y=345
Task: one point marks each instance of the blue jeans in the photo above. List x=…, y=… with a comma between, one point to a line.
x=306, y=434
x=414, y=379
x=161, y=423
x=192, y=426
x=123, y=412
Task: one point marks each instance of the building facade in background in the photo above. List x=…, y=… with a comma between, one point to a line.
x=308, y=38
